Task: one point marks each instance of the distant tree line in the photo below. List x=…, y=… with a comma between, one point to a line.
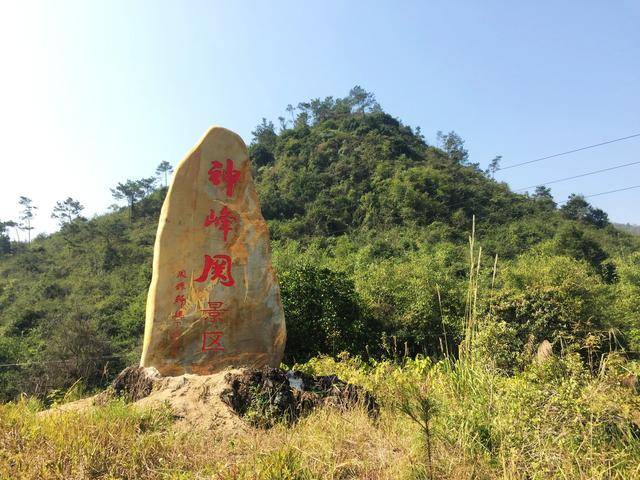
x=70, y=210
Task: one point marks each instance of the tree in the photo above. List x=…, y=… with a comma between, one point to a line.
x=261, y=155
x=15, y=226
x=362, y=101
x=26, y=215
x=544, y=198
x=67, y=211
x=453, y=145
x=147, y=185
x=265, y=134
x=5, y=241
x=283, y=124
x=302, y=120
x=264, y=142
x=323, y=313
x=165, y=169
x=133, y=191
x=290, y=110
x=597, y=217
x=542, y=192
x=322, y=109
x=79, y=346
x=571, y=240
x=577, y=208
x=494, y=166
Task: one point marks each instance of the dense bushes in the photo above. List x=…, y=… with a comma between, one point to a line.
x=323, y=314
x=626, y=298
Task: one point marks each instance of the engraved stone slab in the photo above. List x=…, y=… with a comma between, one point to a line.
x=214, y=300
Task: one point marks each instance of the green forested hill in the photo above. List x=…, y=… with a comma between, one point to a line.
x=370, y=229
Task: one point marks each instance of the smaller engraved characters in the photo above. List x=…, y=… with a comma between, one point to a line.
x=176, y=329
x=180, y=300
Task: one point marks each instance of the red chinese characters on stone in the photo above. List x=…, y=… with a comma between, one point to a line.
x=211, y=341
x=219, y=267
x=229, y=175
x=180, y=300
x=222, y=222
x=214, y=313
x=175, y=335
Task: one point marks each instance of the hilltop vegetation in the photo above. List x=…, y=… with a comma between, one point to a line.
x=370, y=228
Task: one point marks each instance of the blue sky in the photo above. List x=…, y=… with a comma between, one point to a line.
x=93, y=93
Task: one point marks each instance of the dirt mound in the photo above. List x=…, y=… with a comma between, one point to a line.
x=230, y=400
x=195, y=401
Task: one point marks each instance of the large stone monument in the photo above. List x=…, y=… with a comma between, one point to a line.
x=214, y=300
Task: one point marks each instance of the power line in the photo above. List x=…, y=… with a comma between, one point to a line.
x=568, y=152
x=459, y=204
x=25, y=364
x=578, y=176
x=612, y=191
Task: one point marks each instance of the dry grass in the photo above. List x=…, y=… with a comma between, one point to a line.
x=553, y=421
x=114, y=441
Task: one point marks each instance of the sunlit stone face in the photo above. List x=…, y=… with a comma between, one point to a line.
x=214, y=300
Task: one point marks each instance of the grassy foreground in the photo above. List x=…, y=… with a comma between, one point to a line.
x=449, y=420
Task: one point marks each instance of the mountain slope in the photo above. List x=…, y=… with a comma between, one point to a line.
x=369, y=226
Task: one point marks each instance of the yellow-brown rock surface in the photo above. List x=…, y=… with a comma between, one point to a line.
x=214, y=301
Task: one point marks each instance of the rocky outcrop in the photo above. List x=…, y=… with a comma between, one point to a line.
x=268, y=396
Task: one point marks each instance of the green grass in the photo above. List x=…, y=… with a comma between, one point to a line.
x=554, y=420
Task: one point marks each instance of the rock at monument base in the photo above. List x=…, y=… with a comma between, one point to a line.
x=269, y=396
x=227, y=402
x=214, y=301
x=134, y=383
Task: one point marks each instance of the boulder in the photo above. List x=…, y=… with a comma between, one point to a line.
x=270, y=395
x=544, y=352
x=214, y=301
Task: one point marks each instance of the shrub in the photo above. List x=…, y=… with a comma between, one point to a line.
x=545, y=297
x=323, y=313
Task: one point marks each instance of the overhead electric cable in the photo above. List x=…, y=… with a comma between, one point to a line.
x=459, y=204
x=25, y=364
x=568, y=152
x=612, y=191
x=578, y=176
